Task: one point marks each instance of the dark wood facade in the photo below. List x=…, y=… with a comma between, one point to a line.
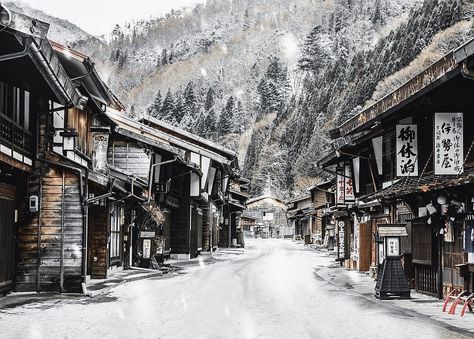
x=79, y=182
x=432, y=253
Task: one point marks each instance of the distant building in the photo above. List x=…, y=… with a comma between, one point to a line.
x=269, y=214
x=300, y=217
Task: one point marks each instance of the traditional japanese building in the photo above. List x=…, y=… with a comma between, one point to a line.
x=300, y=216
x=86, y=189
x=322, y=196
x=269, y=213
x=409, y=158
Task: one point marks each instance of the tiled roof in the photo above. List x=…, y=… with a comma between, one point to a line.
x=428, y=182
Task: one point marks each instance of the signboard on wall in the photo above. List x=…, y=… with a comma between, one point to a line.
x=340, y=185
x=407, y=150
x=349, y=195
x=448, y=144
x=146, y=248
x=99, y=157
x=344, y=184
x=341, y=226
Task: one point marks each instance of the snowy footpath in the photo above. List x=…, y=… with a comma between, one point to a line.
x=273, y=289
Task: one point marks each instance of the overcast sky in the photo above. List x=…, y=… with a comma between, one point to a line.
x=100, y=16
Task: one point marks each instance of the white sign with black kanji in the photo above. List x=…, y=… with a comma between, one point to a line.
x=407, y=150
x=448, y=144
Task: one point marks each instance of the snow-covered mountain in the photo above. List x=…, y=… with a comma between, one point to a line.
x=270, y=77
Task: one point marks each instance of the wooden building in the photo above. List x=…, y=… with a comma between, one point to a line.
x=322, y=196
x=81, y=182
x=221, y=197
x=269, y=213
x=404, y=173
x=300, y=216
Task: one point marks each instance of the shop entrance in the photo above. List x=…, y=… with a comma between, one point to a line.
x=7, y=248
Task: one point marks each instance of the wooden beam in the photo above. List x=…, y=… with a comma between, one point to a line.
x=15, y=163
x=24, y=24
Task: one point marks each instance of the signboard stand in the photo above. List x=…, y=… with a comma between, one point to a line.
x=391, y=279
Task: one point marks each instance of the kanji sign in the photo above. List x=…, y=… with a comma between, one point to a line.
x=146, y=248
x=340, y=185
x=393, y=246
x=407, y=150
x=448, y=143
x=344, y=184
x=349, y=195
x=341, y=225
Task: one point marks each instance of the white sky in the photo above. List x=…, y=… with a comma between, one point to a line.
x=100, y=16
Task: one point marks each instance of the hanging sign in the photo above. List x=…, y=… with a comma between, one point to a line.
x=340, y=185
x=407, y=150
x=448, y=144
x=146, y=248
x=349, y=195
x=99, y=156
x=341, y=236
x=377, y=144
x=344, y=184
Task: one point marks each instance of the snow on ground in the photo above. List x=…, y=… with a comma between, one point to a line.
x=270, y=291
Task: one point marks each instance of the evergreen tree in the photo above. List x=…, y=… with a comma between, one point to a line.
x=164, y=57
x=179, y=110
x=155, y=108
x=168, y=107
x=246, y=24
x=132, y=113
x=315, y=52
x=190, y=98
x=226, y=119
x=209, y=99
x=210, y=124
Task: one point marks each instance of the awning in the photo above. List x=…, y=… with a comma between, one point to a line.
x=392, y=231
x=429, y=182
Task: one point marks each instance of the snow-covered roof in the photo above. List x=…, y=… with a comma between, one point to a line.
x=435, y=74
x=206, y=143
x=266, y=196
x=124, y=122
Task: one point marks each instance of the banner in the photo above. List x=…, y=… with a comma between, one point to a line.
x=341, y=235
x=344, y=184
x=377, y=144
x=340, y=185
x=407, y=150
x=349, y=195
x=448, y=144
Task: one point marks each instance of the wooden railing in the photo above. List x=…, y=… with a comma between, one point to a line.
x=14, y=135
x=426, y=280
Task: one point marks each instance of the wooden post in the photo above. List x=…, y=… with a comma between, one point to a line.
x=61, y=267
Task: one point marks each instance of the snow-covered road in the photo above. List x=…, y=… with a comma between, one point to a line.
x=270, y=291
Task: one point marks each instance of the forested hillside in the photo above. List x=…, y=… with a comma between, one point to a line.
x=269, y=77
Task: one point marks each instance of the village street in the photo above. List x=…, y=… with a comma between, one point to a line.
x=271, y=290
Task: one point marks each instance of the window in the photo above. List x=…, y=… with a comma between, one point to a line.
x=78, y=120
x=389, y=156
x=15, y=118
x=116, y=222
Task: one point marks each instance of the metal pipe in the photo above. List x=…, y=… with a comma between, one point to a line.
x=15, y=55
x=39, y=57
x=103, y=196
